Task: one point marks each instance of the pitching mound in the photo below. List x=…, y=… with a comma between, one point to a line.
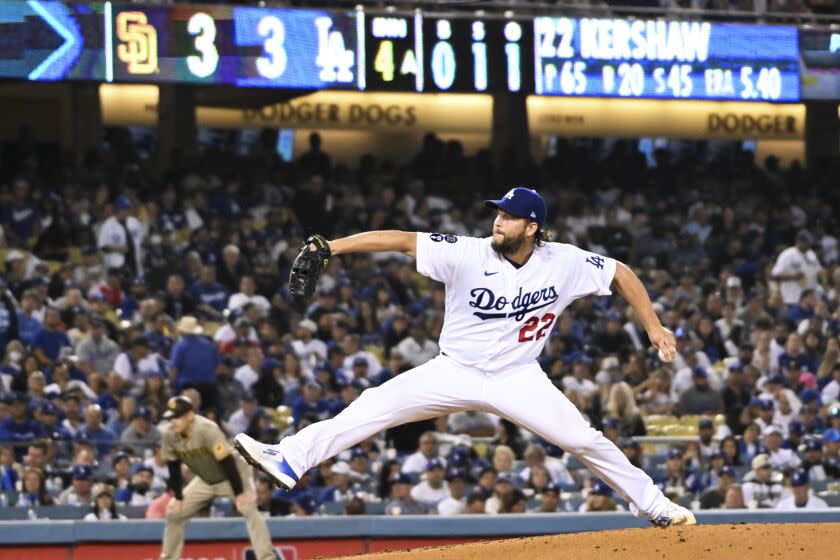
x=714, y=542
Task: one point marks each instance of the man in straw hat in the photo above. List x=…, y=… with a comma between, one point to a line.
x=194, y=361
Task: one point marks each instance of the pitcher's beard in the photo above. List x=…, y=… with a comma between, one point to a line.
x=508, y=245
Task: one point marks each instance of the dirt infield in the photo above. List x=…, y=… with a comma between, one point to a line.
x=718, y=542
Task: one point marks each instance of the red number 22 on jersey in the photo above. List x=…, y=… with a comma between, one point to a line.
x=525, y=333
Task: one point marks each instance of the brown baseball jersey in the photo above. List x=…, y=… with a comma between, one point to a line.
x=201, y=450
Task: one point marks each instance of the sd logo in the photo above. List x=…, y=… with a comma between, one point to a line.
x=139, y=48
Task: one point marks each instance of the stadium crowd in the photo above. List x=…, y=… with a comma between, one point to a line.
x=121, y=289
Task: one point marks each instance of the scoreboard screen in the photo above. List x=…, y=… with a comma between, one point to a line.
x=665, y=59
x=393, y=51
x=250, y=47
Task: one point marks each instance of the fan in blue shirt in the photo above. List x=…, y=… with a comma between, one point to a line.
x=210, y=296
x=49, y=342
x=19, y=428
x=194, y=357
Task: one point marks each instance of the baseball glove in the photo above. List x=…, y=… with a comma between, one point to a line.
x=308, y=266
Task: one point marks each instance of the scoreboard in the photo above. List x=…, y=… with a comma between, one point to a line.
x=666, y=59
x=396, y=51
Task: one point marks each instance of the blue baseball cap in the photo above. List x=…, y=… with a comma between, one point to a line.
x=82, y=472
x=600, y=488
x=799, y=478
x=809, y=395
x=456, y=473
x=522, y=202
x=458, y=457
x=727, y=471
x=705, y=424
x=831, y=435
x=123, y=203
x=551, y=487
x=358, y=452
x=400, y=478
x=675, y=453
x=307, y=503
x=812, y=444
x=434, y=464
x=796, y=427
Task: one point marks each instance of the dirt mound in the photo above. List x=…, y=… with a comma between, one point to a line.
x=713, y=542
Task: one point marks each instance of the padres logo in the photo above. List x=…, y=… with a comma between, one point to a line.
x=138, y=48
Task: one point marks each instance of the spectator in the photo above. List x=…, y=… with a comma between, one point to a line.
x=138, y=361
x=194, y=361
x=268, y=504
x=34, y=489
x=801, y=494
x=456, y=502
x=249, y=372
x=401, y=502
x=244, y=419
x=701, y=399
x=247, y=294
x=501, y=494
x=49, y=341
x=310, y=402
x=600, y=498
x=96, y=432
x=141, y=434
x=621, y=405
x=309, y=350
x=21, y=218
x=232, y=269
x=735, y=397
x=476, y=504
x=351, y=345
x=210, y=296
x=796, y=268
x=105, y=508
x=426, y=451
x=340, y=488
x=434, y=489
x=417, y=349
x=98, y=353
x=176, y=302
x=121, y=239
x=28, y=324
x=80, y=492
x=781, y=459
x=714, y=498
x=360, y=474
x=472, y=423
x=19, y=428
x=762, y=488
x=138, y=492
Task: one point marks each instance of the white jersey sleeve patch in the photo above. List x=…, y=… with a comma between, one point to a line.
x=439, y=255
x=589, y=274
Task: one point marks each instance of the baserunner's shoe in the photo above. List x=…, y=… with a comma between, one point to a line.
x=674, y=515
x=267, y=459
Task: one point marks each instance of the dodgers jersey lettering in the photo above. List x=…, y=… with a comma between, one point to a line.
x=497, y=315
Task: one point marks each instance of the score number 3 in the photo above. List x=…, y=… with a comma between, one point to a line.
x=531, y=325
x=202, y=26
x=273, y=64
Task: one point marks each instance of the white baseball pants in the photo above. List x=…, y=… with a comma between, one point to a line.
x=522, y=394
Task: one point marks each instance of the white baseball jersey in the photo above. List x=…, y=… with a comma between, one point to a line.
x=497, y=315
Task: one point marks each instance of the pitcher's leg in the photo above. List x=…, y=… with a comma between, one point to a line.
x=529, y=399
x=435, y=388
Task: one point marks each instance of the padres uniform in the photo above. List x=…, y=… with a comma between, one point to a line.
x=203, y=451
x=497, y=319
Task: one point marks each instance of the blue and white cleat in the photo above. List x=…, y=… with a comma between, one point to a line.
x=674, y=515
x=267, y=459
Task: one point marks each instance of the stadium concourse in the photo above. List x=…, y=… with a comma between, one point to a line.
x=109, y=270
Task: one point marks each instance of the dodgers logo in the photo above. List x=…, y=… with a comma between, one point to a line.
x=492, y=307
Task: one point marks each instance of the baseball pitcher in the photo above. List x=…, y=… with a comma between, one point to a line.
x=503, y=295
